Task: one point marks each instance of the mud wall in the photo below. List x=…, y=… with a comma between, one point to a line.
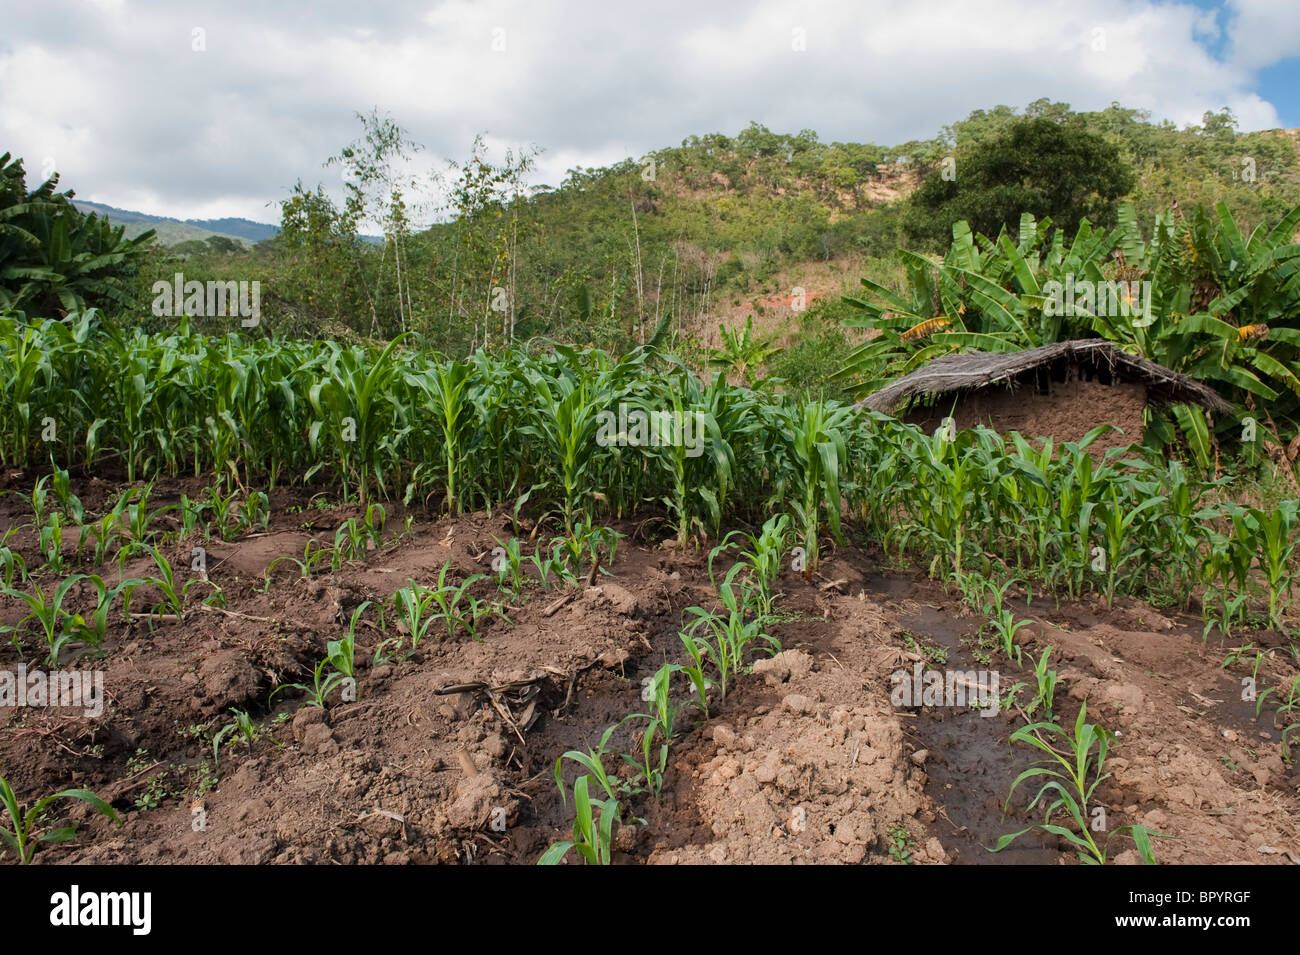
x=1067, y=413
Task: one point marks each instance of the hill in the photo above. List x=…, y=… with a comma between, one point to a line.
x=706, y=233
x=171, y=231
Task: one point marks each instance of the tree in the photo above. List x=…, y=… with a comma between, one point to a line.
x=325, y=264
x=222, y=245
x=1220, y=125
x=487, y=200
x=377, y=183
x=1052, y=169
x=189, y=247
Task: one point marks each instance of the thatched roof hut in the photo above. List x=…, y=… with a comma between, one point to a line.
x=1060, y=390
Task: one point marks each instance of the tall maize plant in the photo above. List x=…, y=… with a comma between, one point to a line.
x=361, y=414
x=497, y=396
x=513, y=426
x=445, y=389
x=815, y=457
x=28, y=382
x=689, y=452
x=562, y=420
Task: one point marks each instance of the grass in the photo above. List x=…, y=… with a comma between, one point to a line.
x=243, y=725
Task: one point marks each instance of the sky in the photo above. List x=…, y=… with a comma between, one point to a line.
x=204, y=110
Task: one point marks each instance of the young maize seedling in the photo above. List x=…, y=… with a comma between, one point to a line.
x=508, y=559
x=255, y=513
x=552, y=565
x=1069, y=785
x=1045, y=681
x=973, y=587
x=224, y=510
x=582, y=548
x=25, y=832
x=322, y=686
x=593, y=761
x=310, y=560
x=94, y=630
x=12, y=565
x=352, y=541
x=135, y=518
x=51, y=544
x=340, y=653
x=51, y=616
x=68, y=502
x=763, y=558
x=653, y=763
x=414, y=604
x=448, y=597
x=592, y=835
x=1003, y=619
x=732, y=632
x=477, y=609
x=1290, y=705
x=375, y=520
x=697, y=650
x=107, y=531
x=191, y=514
x=173, y=599
x=39, y=500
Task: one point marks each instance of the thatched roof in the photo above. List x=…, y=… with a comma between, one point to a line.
x=968, y=371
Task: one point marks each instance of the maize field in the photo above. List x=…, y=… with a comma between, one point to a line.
x=308, y=601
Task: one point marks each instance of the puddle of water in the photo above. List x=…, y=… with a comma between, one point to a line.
x=970, y=766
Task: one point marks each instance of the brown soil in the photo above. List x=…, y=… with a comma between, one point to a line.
x=1071, y=410
x=805, y=761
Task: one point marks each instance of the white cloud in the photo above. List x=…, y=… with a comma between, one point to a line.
x=1261, y=32
x=137, y=118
